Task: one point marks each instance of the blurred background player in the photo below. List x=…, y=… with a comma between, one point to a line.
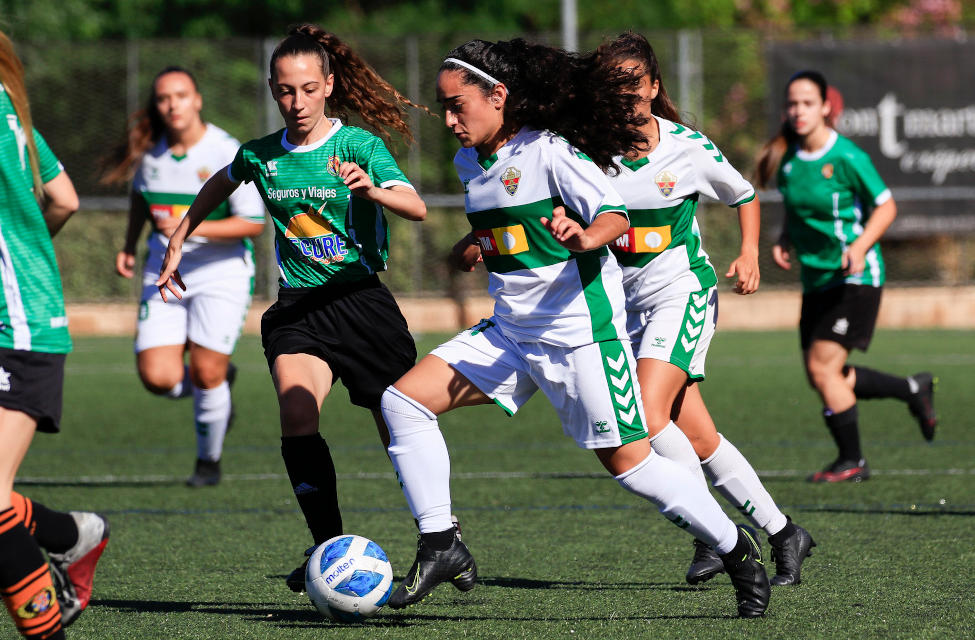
x=325, y=184
x=36, y=199
x=837, y=209
x=542, y=213
x=672, y=300
x=171, y=151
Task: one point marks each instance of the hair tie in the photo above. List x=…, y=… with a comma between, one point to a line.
x=470, y=67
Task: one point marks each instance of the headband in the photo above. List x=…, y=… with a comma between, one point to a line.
x=470, y=67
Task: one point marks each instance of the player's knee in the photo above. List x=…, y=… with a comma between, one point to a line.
x=160, y=381
x=208, y=375
x=403, y=413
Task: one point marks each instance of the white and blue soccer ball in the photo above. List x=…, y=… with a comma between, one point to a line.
x=348, y=578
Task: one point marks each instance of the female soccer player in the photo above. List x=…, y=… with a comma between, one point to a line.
x=325, y=184
x=671, y=300
x=542, y=212
x=837, y=208
x=173, y=152
x=36, y=199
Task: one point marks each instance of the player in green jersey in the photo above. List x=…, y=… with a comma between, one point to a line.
x=168, y=153
x=672, y=301
x=36, y=199
x=837, y=209
x=325, y=184
x=542, y=213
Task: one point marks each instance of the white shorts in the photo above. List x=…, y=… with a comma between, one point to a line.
x=593, y=387
x=211, y=313
x=677, y=330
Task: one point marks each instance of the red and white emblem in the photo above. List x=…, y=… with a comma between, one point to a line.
x=333, y=165
x=828, y=170
x=511, y=177
x=666, y=181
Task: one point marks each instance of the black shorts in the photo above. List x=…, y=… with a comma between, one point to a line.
x=846, y=314
x=356, y=328
x=33, y=383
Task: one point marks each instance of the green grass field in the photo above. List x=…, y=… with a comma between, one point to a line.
x=562, y=550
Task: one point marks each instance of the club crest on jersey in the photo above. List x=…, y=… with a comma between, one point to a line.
x=313, y=237
x=510, y=178
x=828, y=170
x=666, y=181
x=203, y=173
x=333, y=165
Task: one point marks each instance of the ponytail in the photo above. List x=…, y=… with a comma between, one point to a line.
x=12, y=78
x=357, y=88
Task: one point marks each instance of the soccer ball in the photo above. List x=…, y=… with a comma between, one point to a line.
x=348, y=578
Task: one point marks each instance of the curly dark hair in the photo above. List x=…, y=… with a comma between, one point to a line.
x=590, y=105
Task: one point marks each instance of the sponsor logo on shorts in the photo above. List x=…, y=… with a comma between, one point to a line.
x=600, y=426
x=313, y=237
x=660, y=342
x=4, y=379
x=510, y=178
x=841, y=326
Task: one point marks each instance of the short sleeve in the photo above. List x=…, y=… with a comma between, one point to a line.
x=246, y=203
x=50, y=166
x=376, y=159
x=867, y=183
x=240, y=169
x=583, y=187
x=725, y=182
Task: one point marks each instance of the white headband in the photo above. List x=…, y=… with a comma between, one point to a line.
x=470, y=67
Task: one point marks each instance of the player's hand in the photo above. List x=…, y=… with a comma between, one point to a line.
x=169, y=274
x=356, y=179
x=746, y=268
x=566, y=231
x=167, y=225
x=854, y=261
x=781, y=255
x=465, y=255
x=125, y=264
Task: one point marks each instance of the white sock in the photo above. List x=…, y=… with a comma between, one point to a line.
x=211, y=408
x=736, y=480
x=682, y=500
x=419, y=455
x=182, y=389
x=672, y=443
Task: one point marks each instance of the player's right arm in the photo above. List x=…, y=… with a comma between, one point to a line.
x=138, y=214
x=217, y=189
x=781, y=248
x=60, y=201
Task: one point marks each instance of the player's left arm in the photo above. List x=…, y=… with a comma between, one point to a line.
x=869, y=187
x=60, y=202
x=398, y=198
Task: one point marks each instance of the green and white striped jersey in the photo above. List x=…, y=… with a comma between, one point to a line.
x=169, y=183
x=662, y=253
x=542, y=291
x=323, y=234
x=32, y=314
x=828, y=196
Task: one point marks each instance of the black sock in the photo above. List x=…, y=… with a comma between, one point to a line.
x=742, y=547
x=779, y=537
x=312, y=474
x=25, y=580
x=55, y=531
x=846, y=432
x=440, y=540
x=876, y=384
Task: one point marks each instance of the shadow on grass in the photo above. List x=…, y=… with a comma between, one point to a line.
x=528, y=583
x=891, y=510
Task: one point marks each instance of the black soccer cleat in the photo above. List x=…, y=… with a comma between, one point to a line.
x=296, y=579
x=843, y=471
x=455, y=565
x=788, y=556
x=205, y=474
x=705, y=565
x=921, y=404
x=747, y=573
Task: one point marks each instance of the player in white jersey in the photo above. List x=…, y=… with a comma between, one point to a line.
x=671, y=300
x=542, y=213
x=173, y=152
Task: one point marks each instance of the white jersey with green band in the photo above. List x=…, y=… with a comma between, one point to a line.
x=828, y=196
x=662, y=254
x=542, y=291
x=32, y=314
x=169, y=183
x=323, y=233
